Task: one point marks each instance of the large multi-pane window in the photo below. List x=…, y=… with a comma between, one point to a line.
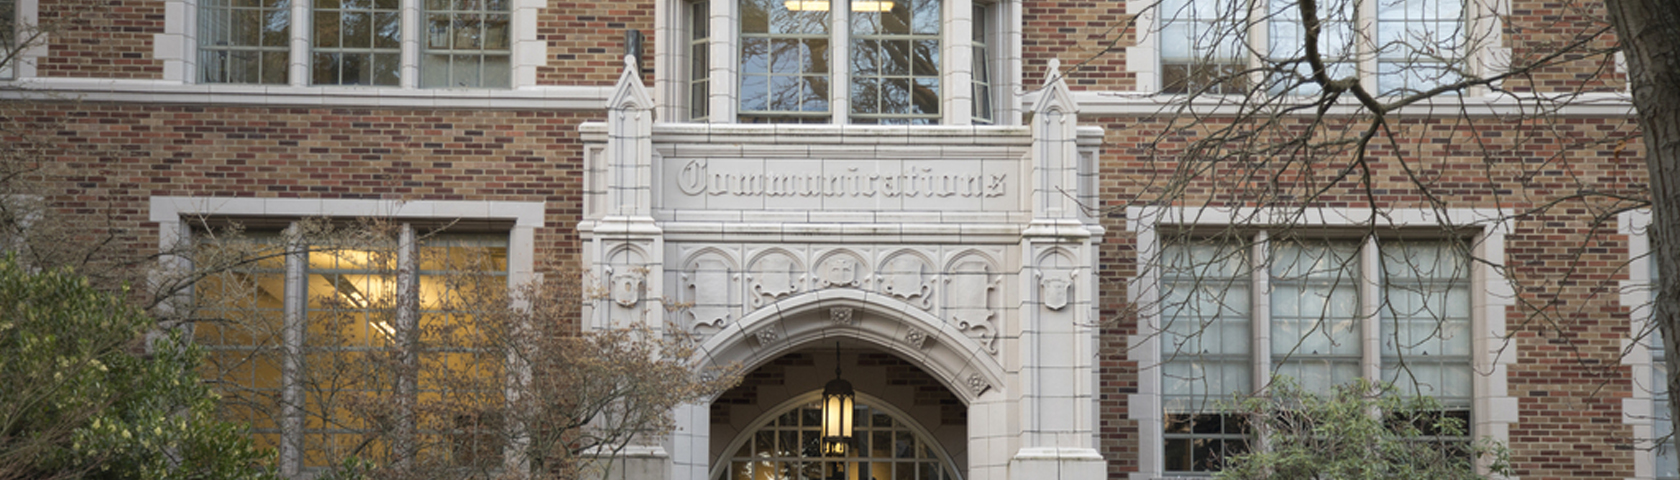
x=1207, y=46
x=462, y=44
x=864, y=61
x=302, y=338
x=1312, y=304
x=884, y=446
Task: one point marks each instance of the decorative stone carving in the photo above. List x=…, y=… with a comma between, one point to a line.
x=625, y=288
x=766, y=336
x=1055, y=288
x=968, y=301
x=905, y=278
x=707, y=283
x=838, y=271
x=774, y=276
x=914, y=338
x=841, y=316
x=977, y=383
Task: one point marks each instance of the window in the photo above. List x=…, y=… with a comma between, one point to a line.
x=1206, y=45
x=982, y=81
x=885, y=446
x=1308, y=303
x=466, y=43
x=8, y=38
x=699, y=67
x=300, y=361
x=1664, y=458
x=244, y=42
x=1652, y=429
x=882, y=62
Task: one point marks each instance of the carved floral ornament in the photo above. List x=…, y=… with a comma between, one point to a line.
x=841, y=316
x=915, y=338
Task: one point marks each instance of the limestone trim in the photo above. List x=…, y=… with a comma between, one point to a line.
x=171, y=214
x=1493, y=409
x=947, y=354
x=1639, y=410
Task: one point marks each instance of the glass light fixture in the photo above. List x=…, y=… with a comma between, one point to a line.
x=838, y=399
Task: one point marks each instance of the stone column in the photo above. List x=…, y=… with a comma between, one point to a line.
x=1056, y=401
x=625, y=248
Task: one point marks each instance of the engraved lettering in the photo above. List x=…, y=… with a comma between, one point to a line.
x=698, y=179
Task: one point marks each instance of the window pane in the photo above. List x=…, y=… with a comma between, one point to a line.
x=1426, y=320
x=1201, y=47
x=467, y=45
x=1419, y=44
x=238, y=41
x=896, y=53
x=1314, y=314
x=1335, y=45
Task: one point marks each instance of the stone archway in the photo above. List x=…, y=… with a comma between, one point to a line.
x=864, y=322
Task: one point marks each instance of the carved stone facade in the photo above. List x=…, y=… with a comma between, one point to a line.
x=961, y=253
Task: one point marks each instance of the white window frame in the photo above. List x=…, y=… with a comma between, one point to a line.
x=177, y=47
x=23, y=24
x=1487, y=54
x=671, y=76
x=1493, y=410
x=1640, y=410
x=173, y=216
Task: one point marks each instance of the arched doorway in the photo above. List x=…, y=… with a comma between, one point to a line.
x=783, y=444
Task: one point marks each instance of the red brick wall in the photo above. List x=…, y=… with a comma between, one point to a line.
x=1567, y=324
x=108, y=160
x=586, y=40
x=101, y=38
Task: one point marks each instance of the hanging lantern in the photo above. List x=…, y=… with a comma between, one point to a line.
x=837, y=401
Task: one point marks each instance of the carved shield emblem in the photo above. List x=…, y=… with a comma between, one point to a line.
x=627, y=288
x=839, y=271
x=903, y=278
x=772, y=278
x=1056, y=288
x=970, y=293
x=709, y=281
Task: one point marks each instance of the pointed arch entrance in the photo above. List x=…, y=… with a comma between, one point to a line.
x=795, y=337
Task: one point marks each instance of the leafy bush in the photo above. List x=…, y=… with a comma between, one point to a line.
x=1358, y=432
x=87, y=396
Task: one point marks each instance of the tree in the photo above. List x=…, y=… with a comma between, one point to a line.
x=1281, y=109
x=1649, y=31
x=87, y=397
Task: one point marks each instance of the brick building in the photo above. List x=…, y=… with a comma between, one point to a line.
x=1003, y=212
